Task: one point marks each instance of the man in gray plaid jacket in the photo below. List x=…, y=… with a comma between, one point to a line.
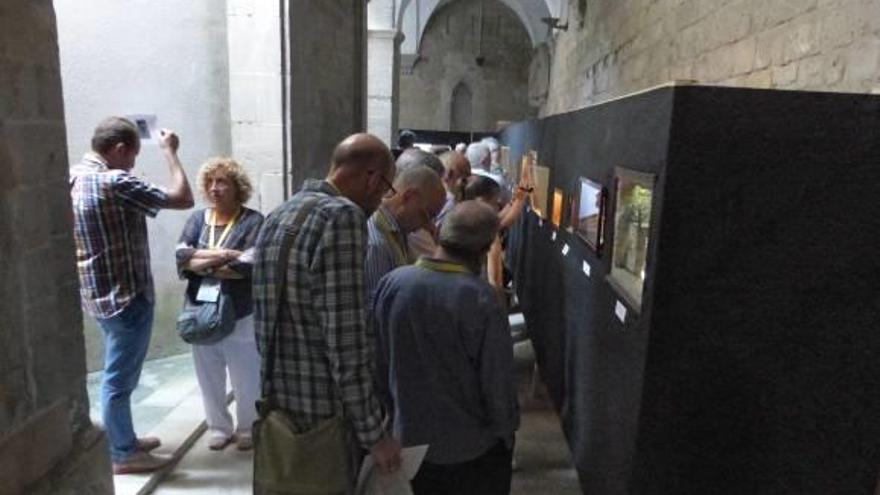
x=323, y=355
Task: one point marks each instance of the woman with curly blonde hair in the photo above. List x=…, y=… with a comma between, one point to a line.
x=215, y=256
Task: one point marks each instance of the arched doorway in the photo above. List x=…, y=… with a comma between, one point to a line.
x=462, y=108
x=481, y=44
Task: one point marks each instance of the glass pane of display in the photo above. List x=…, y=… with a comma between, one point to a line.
x=588, y=211
x=632, y=224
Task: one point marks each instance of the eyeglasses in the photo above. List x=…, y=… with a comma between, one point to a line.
x=391, y=190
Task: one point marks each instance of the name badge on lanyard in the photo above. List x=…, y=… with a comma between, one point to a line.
x=209, y=290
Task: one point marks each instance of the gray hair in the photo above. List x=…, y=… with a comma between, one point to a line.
x=492, y=143
x=420, y=177
x=469, y=229
x=414, y=157
x=477, y=154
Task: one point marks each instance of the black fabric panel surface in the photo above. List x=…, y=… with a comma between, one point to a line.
x=763, y=375
x=752, y=367
x=590, y=362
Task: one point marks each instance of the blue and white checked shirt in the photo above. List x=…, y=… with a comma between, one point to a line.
x=386, y=248
x=110, y=229
x=324, y=352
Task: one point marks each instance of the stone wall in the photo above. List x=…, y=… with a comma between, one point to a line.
x=621, y=46
x=254, y=41
x=47, y=443
x=452, y=42
x=163, y=57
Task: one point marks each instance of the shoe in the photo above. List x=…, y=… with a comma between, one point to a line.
x=219, y=442
x=141, y=462
x=244, y=442
x=147, y=444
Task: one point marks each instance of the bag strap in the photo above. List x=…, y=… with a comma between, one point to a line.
x=291, y=232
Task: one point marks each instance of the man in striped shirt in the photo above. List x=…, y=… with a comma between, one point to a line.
x=318, y=360
x=416, y=197
x=110, y=206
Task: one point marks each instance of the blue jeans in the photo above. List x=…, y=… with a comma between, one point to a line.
x=126, y=339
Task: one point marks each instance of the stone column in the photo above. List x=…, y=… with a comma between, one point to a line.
x=47, y=442
x=327, y=81
x=383, y=83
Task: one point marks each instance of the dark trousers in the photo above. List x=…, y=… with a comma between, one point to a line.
x=488, y=474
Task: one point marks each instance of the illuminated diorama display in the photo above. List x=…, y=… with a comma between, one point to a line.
x=536, y=178
x=632, y=223
x=558, y=200
x=541, y=185
x=525, y=171
x=588, y=213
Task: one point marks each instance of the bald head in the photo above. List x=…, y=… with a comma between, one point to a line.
x=469, y=229
x=362, y=169
x=414, y=157
x=362, y=151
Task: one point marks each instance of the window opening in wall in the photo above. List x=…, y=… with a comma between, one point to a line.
x=582, y=12
x=462, y=105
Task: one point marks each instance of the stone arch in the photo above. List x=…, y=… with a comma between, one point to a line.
x=495, y=73
x=461, y=110
x=529, y=12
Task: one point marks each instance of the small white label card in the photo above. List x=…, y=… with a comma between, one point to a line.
x=587, y=269
x=565, y=249
x=553, y=237
x=209, y=290
x=620, y=311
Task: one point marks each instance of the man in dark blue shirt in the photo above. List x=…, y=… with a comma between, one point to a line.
x=445, y=360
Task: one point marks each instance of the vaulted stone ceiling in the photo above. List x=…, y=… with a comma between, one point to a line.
x=411, y=17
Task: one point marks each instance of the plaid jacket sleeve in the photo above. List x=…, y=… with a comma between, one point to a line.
x=339, y=299
x=138, y=194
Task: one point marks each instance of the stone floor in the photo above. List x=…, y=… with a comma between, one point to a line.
x=167, y=403
x=164, y=384
x=541, y=454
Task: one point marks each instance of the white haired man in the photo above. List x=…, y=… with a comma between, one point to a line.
x=417, y=195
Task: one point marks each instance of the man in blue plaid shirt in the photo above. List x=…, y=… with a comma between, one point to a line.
x=110, y=207
x=323, y=352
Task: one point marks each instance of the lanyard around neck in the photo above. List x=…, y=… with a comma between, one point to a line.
x=442, y=266
x=226, y=231
x=394, y=240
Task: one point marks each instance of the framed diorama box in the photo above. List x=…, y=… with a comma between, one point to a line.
x=588, y=212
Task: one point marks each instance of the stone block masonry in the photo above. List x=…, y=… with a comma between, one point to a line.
x=44, y=424
x=628, y=45
x=498, y=83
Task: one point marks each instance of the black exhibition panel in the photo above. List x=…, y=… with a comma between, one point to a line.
x=752, y=365
x=450, y=138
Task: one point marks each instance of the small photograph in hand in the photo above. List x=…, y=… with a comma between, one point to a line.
x=147, y=125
